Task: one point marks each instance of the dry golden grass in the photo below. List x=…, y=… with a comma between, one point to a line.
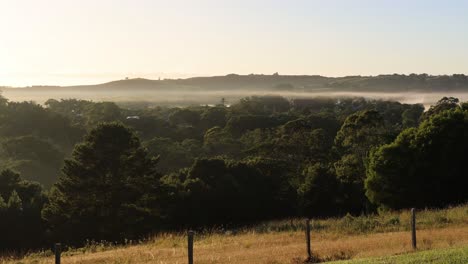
x=283, y=241
x=277, y=247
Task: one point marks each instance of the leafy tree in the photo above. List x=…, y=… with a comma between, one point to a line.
x=411, y=116
x=108, y=190
x=73, y=109
x=424, y=166
x=174, y=155
x=279, y=178
x=317, y=195
x=30, y=192
x=237, y=125
x=361, y=131
x=308, y=138
x=313, y=105
x=214, y=116
x=28, y=118
x=223, y=192
x=184, y=116
x=446, y=103
x=258, y=142
x=34, y=158
x=219, y=142
x=148, y=127
x=359, y=134
x=21, y=202
x=102, y=112
x=390, y=174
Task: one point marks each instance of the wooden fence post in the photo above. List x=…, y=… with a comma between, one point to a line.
x=413, y=228
x=58, y=251
x=190, y=247
x=309, y=251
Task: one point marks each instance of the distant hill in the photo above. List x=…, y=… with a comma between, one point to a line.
x=425, y=89
x=402, y=83
x=275, y=82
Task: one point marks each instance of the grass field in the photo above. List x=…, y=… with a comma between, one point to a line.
x=439, y=256
x=348, y=238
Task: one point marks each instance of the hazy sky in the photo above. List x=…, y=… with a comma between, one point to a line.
x=87, y=41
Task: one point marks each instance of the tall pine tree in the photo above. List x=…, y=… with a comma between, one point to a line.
x=108, y=190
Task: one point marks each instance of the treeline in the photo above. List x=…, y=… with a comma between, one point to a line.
x=380, y=83
x=75, y=170
x=402, y=83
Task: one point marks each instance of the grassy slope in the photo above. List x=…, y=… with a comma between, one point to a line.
x=283, y=241
x=439, y=256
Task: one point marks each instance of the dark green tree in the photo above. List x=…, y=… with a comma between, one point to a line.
x=213, y=116
x=411, y=116
x=445, y=103
x=358, y=135
x=34, y=158
x=184, y=117
x=108, y=190
x=424, y=166
x=217, y=141
x=21, y=202
x=222, y=192
x=174, y=155
x=317, y=195
x=237, y=125
x=28, y=118
x=96, y=113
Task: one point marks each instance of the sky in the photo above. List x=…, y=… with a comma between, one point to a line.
x=67, y=42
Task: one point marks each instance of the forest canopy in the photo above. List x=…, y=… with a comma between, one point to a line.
x=76, y=171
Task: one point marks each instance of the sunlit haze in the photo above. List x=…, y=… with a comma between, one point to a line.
x=65, y=42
